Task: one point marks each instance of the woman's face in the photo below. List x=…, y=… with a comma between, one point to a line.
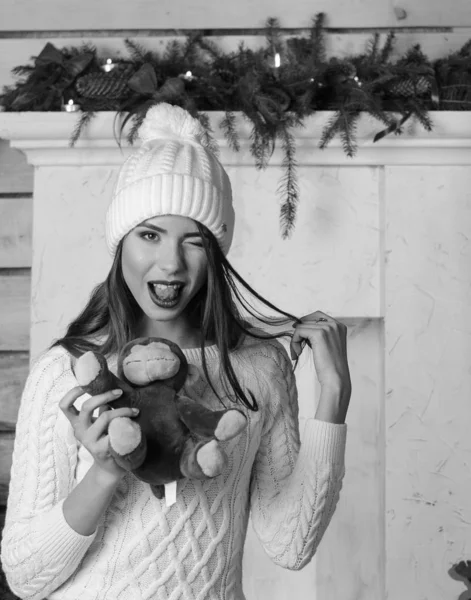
x=163, y=250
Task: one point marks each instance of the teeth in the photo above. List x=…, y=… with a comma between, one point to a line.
x=164, y=286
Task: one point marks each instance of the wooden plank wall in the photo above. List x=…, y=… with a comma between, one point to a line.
x=27, y=25
x=16, y=186
x=21, y=15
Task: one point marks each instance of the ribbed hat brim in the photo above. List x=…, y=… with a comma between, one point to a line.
x=171, y=193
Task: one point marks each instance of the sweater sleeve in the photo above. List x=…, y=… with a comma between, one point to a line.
x=294, y=487
x=39, y=549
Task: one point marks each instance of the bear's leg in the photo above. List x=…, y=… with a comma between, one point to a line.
x=127, y=444
x=203, y=422
x=202, y=460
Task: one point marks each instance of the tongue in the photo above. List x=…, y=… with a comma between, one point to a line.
x=166, y=294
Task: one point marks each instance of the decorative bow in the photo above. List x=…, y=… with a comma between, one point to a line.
x=72, y=66
x=144, y=82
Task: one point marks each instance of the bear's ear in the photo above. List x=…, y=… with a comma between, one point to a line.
x=193, y=375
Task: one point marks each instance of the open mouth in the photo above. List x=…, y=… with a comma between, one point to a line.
x=165, y=296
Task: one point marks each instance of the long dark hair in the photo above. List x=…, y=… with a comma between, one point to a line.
x=112, y=312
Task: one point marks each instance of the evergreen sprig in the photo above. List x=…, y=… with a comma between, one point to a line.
x=274, y=100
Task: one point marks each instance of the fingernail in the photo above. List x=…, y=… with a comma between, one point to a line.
x=117, y=392
x=135, y=410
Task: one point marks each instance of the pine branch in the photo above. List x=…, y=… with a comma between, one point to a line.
x=262, y=143
x=228, y=126
x=135, y=125
x=347, y=130
x=466, y=49
x=273, y=35
x=362, y=100
x=317, y=37
x=211, y=143
x=84, y=48
x=387, y=48
x=137, y=52
x=421, y=113
x=329, y=131
x=173, y=52
x=83, y=121
x=373, y=47
x=23, y=70
x=288, y=184
x=211, y=48
x=190, y=48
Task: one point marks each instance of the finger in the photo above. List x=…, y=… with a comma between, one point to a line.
x=322, y=315
x=90, y=405
x=66, y=404
x=318, y=314
x=100, y=410
x=304, y=334
x=100, y=426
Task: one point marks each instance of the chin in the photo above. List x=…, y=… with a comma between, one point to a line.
x=157, y=313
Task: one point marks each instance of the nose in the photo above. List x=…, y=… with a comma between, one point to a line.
x=170, y=257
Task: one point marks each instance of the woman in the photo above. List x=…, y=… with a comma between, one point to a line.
x=77, y=524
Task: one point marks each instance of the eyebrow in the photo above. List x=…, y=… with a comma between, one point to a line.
x=161, y=230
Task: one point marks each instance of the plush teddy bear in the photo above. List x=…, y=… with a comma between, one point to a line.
x=172, y=436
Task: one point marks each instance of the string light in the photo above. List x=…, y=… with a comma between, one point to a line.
x=188, y=76
x=70, y=106
x=108, y=66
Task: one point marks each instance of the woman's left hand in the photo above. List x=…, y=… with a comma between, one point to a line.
x=328, y=341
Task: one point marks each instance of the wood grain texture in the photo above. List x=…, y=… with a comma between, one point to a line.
x=15, y=173
x=15, y=301
x=14, y=369
x=16, y=223
x=26, y=15
x=15, y=52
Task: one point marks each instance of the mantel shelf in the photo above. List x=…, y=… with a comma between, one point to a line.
x=43, y=137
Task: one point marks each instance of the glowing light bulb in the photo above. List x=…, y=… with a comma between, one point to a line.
x=108, y=66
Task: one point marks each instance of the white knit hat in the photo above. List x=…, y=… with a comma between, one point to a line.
x=172, y=173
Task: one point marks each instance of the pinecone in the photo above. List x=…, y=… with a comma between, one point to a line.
x=103, y=85
x=407, y=88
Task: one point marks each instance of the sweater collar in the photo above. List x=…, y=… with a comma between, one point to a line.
x=195, y=355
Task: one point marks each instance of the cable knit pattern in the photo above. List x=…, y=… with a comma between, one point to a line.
x=192, y=550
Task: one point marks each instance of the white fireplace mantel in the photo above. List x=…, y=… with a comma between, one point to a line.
x=382, y=239
x=43, y=136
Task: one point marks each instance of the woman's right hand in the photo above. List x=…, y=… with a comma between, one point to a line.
x=92, y=432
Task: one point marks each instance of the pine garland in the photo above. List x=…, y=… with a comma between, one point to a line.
x=274, y=88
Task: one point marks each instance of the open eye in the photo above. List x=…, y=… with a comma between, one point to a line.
x=145, y=233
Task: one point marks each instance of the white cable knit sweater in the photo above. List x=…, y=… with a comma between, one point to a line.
x=142, y=549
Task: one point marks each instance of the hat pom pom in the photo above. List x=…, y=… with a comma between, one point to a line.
x=165, y=121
